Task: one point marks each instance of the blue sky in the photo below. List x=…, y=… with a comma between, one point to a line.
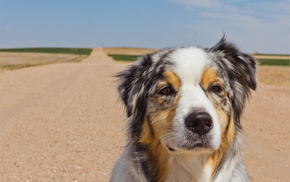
x=254, y=26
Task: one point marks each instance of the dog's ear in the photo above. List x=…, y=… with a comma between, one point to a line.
x=244, y=65
x=131, y=82
x=240, y=69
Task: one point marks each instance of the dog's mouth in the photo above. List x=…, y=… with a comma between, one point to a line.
x=190, y=143
x=196, y=146
x=189, y=146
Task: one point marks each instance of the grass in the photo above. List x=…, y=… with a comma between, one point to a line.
x=16, y=58
x=270, y=54
x=120, y=57
x=274, y=62
x=80, y=51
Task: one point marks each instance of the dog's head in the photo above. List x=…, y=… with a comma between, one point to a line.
x=187, y=98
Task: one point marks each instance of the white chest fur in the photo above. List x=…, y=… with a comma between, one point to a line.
x=187, y=168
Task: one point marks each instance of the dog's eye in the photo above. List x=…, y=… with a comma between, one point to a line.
x=166, y=91
x=216, y=89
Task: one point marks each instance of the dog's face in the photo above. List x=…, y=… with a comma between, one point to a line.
x=186, y=98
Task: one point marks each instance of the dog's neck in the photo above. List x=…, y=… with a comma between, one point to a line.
x=172, y=166
x=162, y=163
x=204, y=167
x=188, y=167
x=165, y=164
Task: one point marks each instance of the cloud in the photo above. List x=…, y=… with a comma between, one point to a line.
x=7, y=28
x=241, y=9
x=256, y=26
x=199, y=3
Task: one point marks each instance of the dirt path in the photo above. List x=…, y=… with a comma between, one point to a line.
x=61, y=123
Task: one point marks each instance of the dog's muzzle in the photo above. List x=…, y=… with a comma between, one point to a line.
x=199, y=122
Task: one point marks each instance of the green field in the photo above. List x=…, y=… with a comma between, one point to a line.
x=11, y=59
x=80, y=51
x=270, y=54
x=120, y=57
x=274, y=62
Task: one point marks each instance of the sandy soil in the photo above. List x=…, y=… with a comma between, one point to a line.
x=271, y=57
x=62, y=122
x=274, y=75
x=14, y=60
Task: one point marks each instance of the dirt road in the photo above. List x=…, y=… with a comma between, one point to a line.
x=61, y=122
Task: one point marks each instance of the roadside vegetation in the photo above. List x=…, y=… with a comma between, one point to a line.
x=11, y=59
x=81, y=51
x=132, y=54
x=273, y=69
x=274, y=62
x=120, y=57
x=264, y=61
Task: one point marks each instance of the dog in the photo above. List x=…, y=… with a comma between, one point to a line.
x=184, y=107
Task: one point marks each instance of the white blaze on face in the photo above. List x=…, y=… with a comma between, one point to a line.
x=189, y=64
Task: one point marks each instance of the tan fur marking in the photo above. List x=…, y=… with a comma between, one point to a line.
x=158, y=154
x=159, y=157
x=146, y=137
x=227, y=139
x=223, y=118
x=208, y=76
x=171, y=78
x=162, y=122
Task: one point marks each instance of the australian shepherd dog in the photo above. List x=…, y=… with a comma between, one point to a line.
x=184, y=107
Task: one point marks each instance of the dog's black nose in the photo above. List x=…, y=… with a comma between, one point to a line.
x=199, y=122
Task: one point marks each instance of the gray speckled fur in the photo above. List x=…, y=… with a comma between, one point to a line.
x=238, y=71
